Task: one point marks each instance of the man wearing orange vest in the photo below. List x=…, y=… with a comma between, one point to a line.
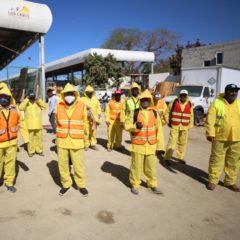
x=144, y=124
x=71, y=119
x=10, y=121
x=160, y=106
x=115, y=118
x=179, y=117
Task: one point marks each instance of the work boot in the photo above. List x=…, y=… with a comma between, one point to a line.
x=10, y=188
x=95, y=148
x=234, y=188
x=134, y=191
x=63, y=191
x=211, y=186
x=83, y=191
x=167, y=163
x=155, y=190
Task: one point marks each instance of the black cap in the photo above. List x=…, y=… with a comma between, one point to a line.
x=231, y=87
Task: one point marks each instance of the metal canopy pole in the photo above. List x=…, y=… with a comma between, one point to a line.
x=42, y=66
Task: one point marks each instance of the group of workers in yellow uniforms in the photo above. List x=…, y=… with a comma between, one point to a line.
x=223, y=131
x=10, y=121
x=32, y=107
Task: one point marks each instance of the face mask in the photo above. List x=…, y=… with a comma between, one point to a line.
x=135, y=92
x=145, y=104
x=69, y=99
x=4, y=101
x=117, y=98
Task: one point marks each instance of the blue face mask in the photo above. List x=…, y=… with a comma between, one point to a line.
x=4, y=101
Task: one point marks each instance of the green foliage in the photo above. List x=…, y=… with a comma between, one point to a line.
x=102, y=71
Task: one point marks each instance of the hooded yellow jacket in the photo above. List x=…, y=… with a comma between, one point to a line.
x=230, y=125
x=21, y=123
x=132, y=102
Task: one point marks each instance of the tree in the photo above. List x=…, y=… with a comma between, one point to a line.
x=102, y=71
x=159, y=41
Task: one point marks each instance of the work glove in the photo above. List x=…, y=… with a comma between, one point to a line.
x=139, y=125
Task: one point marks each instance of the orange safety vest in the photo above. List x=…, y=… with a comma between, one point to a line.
x=72, y=126
x=115, y=110
x=148, y=133
x=9, y=126
x=178, y=116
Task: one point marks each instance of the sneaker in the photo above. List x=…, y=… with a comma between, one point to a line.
x=211, y=186
x=155, y=190
x=234, y=188
x=95, y=148
x=83, y=191
x=41, y=154
x=109, y=149
x=63, y=191
x=11, y=188
x=30, y=154
x=86, y=149
x=134, y=191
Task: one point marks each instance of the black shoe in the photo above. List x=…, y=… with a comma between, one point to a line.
x=155, y=190
x=11, y=188
x=41, y=154
x=181, y=161
x=83, y=191
x=63, y=191
x=134, y=191
x=167, y=163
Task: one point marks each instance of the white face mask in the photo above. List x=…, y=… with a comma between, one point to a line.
x=69, y=99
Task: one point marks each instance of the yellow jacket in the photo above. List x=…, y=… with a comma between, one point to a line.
x=33, y=113
x=92, y=103
x=21, y=123
x=122, y=114
x=68, y=142
x=180, y=126
x=130, y=126
x=230, y=126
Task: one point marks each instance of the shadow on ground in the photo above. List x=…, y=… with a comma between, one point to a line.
x=54, y=172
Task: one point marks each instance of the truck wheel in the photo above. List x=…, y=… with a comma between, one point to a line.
x=198, y=117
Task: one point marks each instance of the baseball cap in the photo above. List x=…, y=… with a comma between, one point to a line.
x=231, y=87
x=157, y=95
x=184, y=91
x=118, y=92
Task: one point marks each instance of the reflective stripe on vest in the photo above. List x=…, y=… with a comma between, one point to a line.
x=148, y=133
x=9, y=126
x=178, y=116
x=219, y=105
x=115, y=110
x=72, y=126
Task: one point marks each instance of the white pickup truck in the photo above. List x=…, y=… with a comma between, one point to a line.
x=200, y=96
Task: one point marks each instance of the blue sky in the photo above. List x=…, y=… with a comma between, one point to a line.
x=79, y=25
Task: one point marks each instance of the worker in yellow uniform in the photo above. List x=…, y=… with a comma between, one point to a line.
x=71, y=120
x=144, y=125
x=115, y=118
x=132, y=102
x=10, y=121
x=32, y=107
x=180, y=119
x=223, y=131
x=160, y=106
x=94, y=115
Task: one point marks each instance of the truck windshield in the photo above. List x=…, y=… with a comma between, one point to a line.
x=193, y=91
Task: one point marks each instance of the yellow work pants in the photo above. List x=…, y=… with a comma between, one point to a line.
x=8, y=160
x=143, y=164
x=35, y=141
x=90, y=139
x=76, y=156
x=180, y=138
x=114, y=135
x=224, y=155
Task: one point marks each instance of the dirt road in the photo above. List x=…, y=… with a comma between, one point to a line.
x=185, y=211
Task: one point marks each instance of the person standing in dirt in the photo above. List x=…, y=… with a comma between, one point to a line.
x=223, y=131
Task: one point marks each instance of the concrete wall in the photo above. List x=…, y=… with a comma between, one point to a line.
x=195, y=57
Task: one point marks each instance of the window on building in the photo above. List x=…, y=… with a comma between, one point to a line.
x=219, y=58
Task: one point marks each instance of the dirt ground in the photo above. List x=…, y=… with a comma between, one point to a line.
x=186, y=210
